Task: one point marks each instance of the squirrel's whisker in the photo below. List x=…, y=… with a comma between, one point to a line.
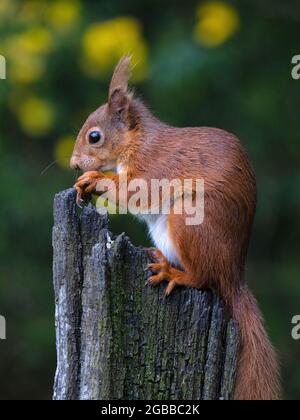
x=48, y=167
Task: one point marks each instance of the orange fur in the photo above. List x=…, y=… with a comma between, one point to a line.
x=211, y=255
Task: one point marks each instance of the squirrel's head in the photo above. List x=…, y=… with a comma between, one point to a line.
x=105, y=132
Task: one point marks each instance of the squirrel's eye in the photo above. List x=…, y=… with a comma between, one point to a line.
x=94, y=137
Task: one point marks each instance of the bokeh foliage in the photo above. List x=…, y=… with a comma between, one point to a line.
x=224, y=64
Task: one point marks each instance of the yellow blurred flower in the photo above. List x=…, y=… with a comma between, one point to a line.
x=26, y=52
x=63, y=13
x=36, y=116
x=63, y=151
x=32, y=11
x=36, y=40
x=217, y=22
x=105, y=43
x=7, y=7
x=25, y=69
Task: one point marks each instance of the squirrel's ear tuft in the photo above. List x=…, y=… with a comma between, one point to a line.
x=119, y=97
x=121, y=76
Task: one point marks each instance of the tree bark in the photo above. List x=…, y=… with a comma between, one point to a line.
x=120, y=339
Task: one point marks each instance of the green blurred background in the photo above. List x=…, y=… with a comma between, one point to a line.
x=224, y=64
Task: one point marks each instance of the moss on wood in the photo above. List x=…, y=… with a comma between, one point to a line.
x=120, y=339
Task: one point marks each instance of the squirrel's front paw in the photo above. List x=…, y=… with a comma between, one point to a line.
x=86, y=185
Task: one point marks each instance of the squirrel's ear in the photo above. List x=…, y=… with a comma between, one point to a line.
x=118, y=104
x=119, y=97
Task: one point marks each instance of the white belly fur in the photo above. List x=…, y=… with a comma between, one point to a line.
x=158, y=229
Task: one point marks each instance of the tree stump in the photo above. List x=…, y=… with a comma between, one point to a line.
x=119, y=339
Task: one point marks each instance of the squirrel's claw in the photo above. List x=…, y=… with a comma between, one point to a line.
x=86, y=186
x=79, y=198
x=79, y=201
x=149, y=267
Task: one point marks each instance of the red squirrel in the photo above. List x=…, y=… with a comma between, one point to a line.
x=123, y=135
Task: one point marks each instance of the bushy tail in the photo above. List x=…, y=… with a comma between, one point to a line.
x=258, y=371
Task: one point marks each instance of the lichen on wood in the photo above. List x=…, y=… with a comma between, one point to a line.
x=119, y=339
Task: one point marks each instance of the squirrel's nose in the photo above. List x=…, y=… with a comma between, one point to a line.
x=74, y=163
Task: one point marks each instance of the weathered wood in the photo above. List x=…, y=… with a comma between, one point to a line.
x=67, y=268
x=120, y=339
